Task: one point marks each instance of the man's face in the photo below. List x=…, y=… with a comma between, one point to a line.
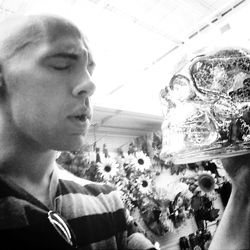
x=49, y=86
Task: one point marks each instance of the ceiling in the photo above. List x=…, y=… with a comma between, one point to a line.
x=117, y=128
x=137, y=45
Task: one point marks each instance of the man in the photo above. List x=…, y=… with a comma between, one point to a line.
x=45, y=90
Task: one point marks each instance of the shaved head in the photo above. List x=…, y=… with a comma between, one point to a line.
x=45, y=78
x=17, y=33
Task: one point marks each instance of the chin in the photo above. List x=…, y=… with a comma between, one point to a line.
x=66, y=146
x=74, y=144
x=66, y=143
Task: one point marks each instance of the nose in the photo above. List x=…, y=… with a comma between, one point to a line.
x=86, y=86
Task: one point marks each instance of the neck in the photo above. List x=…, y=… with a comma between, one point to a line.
x=32, y=172
x=20, y=155
x=27, y=164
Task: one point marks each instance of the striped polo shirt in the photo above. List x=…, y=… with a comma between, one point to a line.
x=94, y=212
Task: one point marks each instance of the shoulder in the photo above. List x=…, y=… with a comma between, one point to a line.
x=92, y=193
x=90, y=187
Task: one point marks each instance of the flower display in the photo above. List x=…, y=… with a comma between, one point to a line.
x=204, y=185
x=160, y=202
x=136, y=177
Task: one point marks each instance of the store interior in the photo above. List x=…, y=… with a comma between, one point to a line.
x=138, y=45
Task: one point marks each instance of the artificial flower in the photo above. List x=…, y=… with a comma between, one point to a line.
x=206, y=183
x=141, y=161
x=108, y=168
x=206, y=175
x=144, y=184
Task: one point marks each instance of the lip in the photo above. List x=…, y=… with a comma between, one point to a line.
x=78, y=125
x=74, y=118
x=82, y=112
x=80, y=119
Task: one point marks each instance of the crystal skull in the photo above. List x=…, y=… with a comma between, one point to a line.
x=206, y=108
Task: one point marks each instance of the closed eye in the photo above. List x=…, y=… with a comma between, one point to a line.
x=58, y=67
x=61, y=61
